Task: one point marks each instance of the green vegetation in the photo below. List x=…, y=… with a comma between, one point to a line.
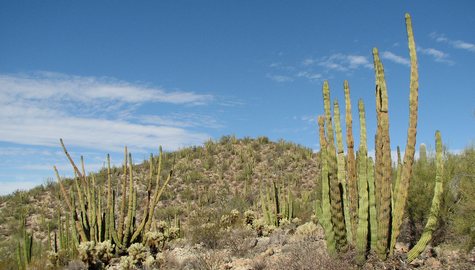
x=219, y=195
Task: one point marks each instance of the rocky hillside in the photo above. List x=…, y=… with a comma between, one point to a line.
x=214, y=191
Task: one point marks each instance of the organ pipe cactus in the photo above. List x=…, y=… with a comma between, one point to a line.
x=337, y=216
x=362, y=229
x=93, y=221
x=342, y=178
x=24, y=247
x=431, y=224
x=352, y=186
x=360, y=203
x=326, y=207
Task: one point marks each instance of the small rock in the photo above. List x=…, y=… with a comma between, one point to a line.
x=268, y=252
x=251, y=242
x=433, y=263
x=401, y=247
x=417, y=262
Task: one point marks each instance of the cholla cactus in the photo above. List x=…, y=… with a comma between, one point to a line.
x=138, y=253
x=104, y=251
x=53, y=258
x=307, y=229
x=155, y=240
x=127, y=263
x=249, y=217
x=86, y=252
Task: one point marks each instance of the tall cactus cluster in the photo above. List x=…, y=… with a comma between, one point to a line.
x=360, y=205
x=277, y=205
x=95, y=213
x=24, y=247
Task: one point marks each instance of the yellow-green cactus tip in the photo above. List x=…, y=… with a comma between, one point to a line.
x=321, y=119
x=375, y=50
x=345, y=83
x=360, y=102
x=408, y=16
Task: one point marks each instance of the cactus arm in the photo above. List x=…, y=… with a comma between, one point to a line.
x=79, y=227
x=120, y=226
x=406, y=171
x=352, y=185
x=362, y=230
x=70, y=159
x=383, y=159
x=373, y=219
x=431, y=224
x=335, y=194
x=130, y=203
x=342, y=176
x=155, y=198
x=326, y=207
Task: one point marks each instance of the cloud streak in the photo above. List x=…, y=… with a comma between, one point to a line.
x=91, y=112
x=437, y=55
x=396, y=58
x=458, y=44
x=280, y=78
x=342, y=62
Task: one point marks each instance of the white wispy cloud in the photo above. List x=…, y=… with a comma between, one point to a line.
x=395, y=58
x=308, y=62
x=437, y=55
x=309, y=75
x=312, y=68
x=458, y=44
x=89, y=112
x=343, y=62
x=182, y=120
x=280, y=78
x=56, y=86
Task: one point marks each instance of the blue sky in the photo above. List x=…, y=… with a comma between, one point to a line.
x=175, y=73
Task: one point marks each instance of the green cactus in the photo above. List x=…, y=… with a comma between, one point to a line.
x=373, y=218
x=383, y=159
x=362, y=229
x=401, y=190
x=326, y=207
x=337, y=215
x=352, y=186
x=25, y=247
x=95, y=222
x=422, y=153
x=431, y=224
x=381, y=202
x=342, y=176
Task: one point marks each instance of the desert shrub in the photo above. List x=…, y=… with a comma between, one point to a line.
x=239, y=240
x=420, y=197
x=309, y=255
x=462, y=188
x=203, y=227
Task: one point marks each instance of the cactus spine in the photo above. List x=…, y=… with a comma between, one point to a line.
x=431, y=224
